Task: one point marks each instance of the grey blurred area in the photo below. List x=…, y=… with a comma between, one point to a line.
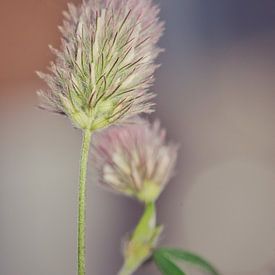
x=216, y=99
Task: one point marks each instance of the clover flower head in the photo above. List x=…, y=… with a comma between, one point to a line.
x=106, y=62
x=135, y=159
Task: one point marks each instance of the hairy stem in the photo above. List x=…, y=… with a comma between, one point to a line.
x=82, y=201
x=140, y=246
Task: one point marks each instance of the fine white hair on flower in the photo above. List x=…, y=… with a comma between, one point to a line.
x=134, y=159
x=106, y=62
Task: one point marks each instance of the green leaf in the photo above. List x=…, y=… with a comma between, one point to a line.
x=165, y=265
x=189, y=257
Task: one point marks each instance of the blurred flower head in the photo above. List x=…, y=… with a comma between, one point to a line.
x=135, y=159
x=106, y=62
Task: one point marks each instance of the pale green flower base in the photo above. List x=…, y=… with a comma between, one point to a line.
x=142, y=242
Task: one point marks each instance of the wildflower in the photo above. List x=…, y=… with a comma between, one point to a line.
x=106, y=62
x=135, y=160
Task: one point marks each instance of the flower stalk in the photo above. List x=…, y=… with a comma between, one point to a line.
x=142, y=242
x=87, y=134
x=135, y=160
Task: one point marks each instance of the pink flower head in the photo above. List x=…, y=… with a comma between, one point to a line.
x=134, y=159
x=106, y=62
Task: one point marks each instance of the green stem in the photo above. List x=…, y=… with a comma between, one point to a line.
x=147, y=223
x=82, y=201
x=140, y=246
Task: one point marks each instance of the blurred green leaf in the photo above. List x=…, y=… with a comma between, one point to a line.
x=179, y=254
x=165, y=265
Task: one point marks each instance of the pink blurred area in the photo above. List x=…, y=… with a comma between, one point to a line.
x=215, y=97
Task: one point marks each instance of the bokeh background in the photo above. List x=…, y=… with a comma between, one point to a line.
x=216, y=97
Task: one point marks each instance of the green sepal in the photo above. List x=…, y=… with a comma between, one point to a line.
x=142, y=242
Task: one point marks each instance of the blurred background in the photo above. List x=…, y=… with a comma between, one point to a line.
x=216, y=97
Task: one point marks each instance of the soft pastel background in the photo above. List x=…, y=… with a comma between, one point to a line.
x=216, y=96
